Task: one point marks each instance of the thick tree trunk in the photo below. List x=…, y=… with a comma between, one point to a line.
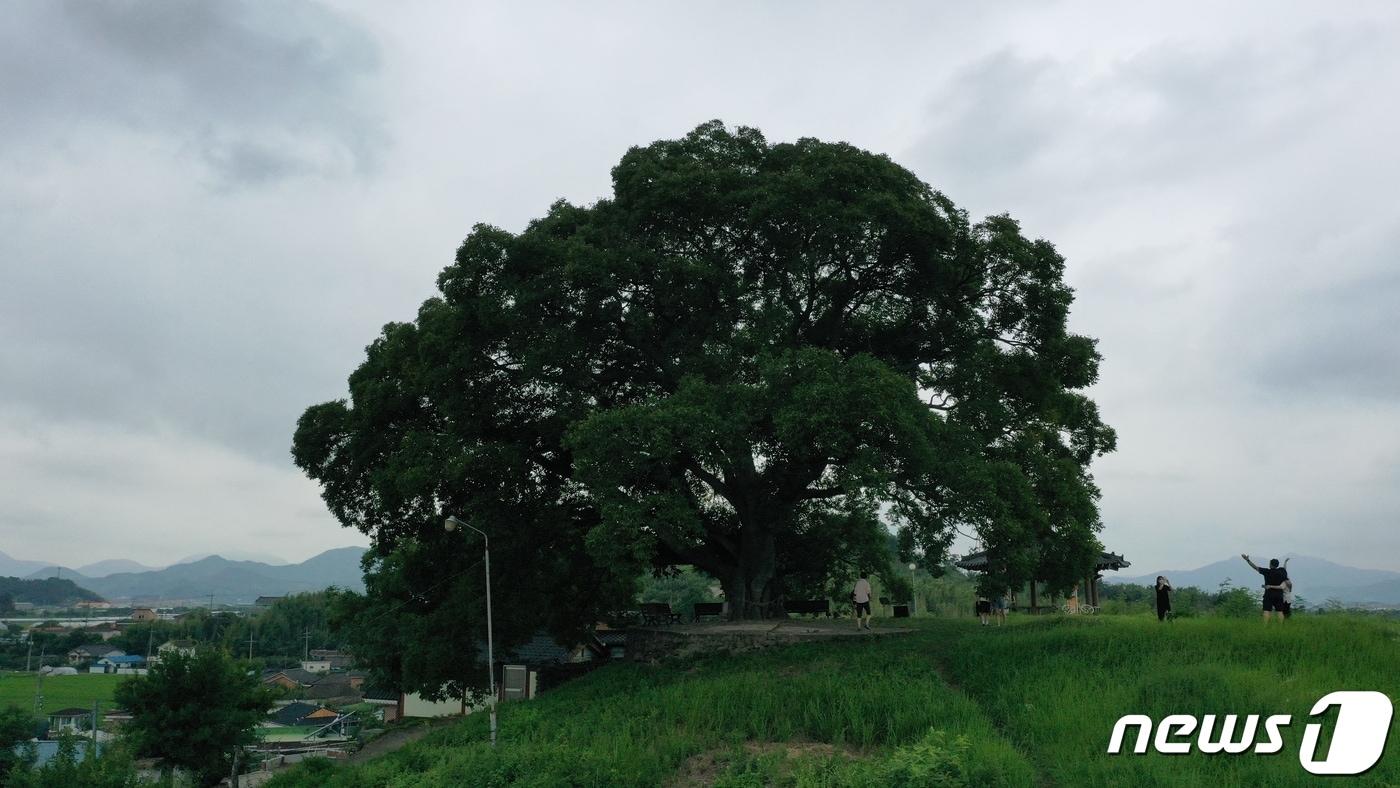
x=751, y=587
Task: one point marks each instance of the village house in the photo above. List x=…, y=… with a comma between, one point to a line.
x=266, y=601
x=290, y=678
x=338, y=660
x=124, y=664
x=73, y=720
x=387, y=701
x=106, y=630
x=335, y=688
x=536, y=665
x=144, y=614
x=85, y=654
x=182, y=646
x=116, y=717
x=299, y=713
x=93, y=604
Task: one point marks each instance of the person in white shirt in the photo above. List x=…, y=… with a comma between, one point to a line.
x=860, y=595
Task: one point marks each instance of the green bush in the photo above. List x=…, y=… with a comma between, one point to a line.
x=1236, y=603
x=937, y=760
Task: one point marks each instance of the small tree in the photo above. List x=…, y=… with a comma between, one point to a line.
x=113, y=768
x=16, y=726
x=193, y=712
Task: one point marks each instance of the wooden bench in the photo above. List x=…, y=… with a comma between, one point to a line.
x=807, y=607
x=658, y=614
x=708, y=610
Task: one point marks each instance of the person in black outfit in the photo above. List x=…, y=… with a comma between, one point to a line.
x=1164, y=598
x=1274, y=578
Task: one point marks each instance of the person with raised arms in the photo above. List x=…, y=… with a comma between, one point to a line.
x=1275, y=579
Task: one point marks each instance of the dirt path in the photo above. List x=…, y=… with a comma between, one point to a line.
x=389, y=742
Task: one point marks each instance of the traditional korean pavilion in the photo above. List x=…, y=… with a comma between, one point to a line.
x=977, y=562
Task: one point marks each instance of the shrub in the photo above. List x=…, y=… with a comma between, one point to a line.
x=1236, y=603
x=936, y=760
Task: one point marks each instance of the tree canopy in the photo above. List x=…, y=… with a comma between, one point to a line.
x=192, y=712
x=752, y=358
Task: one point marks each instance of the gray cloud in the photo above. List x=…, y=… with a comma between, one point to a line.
x=255, y=93
x=203, y=223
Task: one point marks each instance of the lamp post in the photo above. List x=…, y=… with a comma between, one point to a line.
x=452, y=524
x=913, y=592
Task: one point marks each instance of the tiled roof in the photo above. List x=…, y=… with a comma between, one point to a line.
x=977, y=562
x=381, y=693
x=98, y=649
x=328, y=688
x=303, y=677
x=293, y=713
x=71, y=712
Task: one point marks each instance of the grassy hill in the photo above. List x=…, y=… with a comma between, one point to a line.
x=45, y=591
x=1033, y=703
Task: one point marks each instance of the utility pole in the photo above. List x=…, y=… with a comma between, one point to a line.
x=94, y=729
x=250, y=646
x=306, y=648
x=39, y=683
x=28, y=654
x=211, y=604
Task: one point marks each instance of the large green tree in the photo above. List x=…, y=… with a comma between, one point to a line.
x=752, y=359
x=193, y=712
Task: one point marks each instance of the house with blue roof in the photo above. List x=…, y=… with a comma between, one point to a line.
x=119, y=663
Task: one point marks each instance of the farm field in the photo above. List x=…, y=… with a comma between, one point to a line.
x=60, y=692
x=1030, y=704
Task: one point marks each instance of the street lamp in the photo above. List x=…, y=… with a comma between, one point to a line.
x=452, y=524
x=913, y=592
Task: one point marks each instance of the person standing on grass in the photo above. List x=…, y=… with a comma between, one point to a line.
x=860, y=596
x=1287, y=594
x=1164, y=598
x=999, y=604
x=984, y=609
x=1274, y=579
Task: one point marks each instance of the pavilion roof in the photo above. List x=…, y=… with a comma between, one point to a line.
x=977, y=562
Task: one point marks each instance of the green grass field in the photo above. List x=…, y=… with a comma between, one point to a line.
x=60, y=692
x=1029, y=704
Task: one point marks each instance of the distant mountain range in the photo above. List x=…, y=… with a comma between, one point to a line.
x=15, y=567
x=231, y=582
x=1315, y=579
x=112, y=566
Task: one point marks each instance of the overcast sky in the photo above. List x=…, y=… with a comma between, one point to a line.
x=208, y=210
